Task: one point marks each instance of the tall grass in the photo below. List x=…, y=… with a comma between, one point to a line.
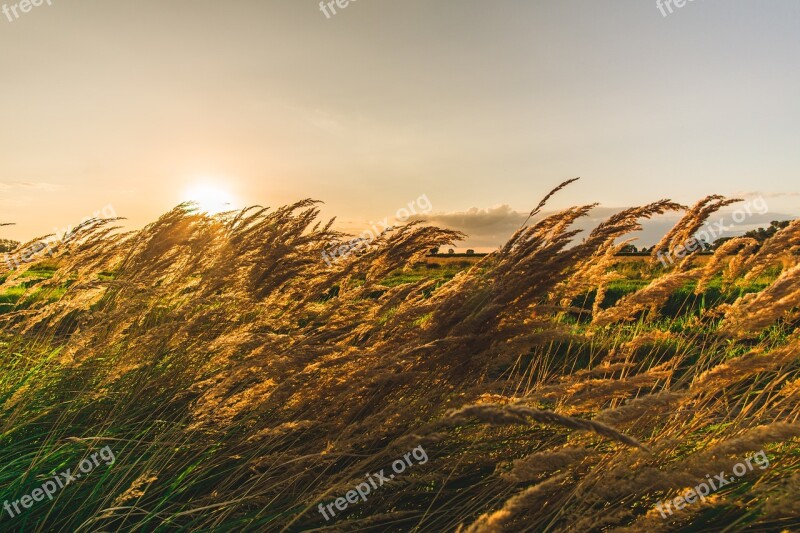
x=241, y=381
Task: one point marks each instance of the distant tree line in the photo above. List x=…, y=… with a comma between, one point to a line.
x=759, y=234
x=7, y=245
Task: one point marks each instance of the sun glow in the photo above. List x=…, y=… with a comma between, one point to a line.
x=209, y=198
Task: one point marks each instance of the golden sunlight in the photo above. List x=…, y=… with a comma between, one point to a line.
x=210, y=198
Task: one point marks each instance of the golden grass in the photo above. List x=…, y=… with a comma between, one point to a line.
x=242, y=381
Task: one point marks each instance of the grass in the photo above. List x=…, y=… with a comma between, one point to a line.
x=241, y=382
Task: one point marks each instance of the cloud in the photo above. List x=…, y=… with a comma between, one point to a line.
x=492, y=227
x=488, y=227
x=29, y=186
x=757, y=194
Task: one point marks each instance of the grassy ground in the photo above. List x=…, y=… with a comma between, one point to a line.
x=240, y=382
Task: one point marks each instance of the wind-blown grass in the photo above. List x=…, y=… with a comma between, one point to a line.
x=241, y=381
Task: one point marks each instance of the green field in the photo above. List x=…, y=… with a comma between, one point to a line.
x=242, y=383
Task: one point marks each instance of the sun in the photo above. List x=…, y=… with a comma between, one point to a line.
x=211, y=199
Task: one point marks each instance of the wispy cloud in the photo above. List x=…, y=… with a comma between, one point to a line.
x=756, y=194
x=40, y=186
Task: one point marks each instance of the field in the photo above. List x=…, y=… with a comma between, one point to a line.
x=243, y=384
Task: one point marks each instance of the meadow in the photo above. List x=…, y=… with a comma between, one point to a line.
x=241, y=381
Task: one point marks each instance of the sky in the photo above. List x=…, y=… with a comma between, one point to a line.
x=482, y=107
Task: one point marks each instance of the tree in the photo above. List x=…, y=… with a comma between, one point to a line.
x=435, y=250
x=762, y=234
x=451, y=251
x=470, y=252
x=759, y=234
x=719, y=242
x=7, y=245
